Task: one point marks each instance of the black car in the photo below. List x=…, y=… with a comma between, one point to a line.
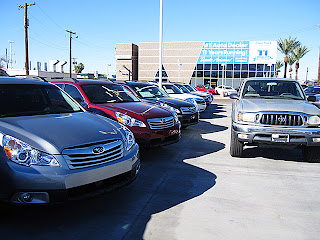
x=187, y=112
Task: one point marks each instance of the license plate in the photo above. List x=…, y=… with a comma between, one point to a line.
x=281, y=138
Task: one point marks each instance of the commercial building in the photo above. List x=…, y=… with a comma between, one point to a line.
x=212, y=63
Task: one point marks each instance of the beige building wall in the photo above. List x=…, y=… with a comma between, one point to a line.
x=126, y=61
x=173, y=52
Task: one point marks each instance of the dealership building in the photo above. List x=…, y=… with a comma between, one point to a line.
x=212, y=63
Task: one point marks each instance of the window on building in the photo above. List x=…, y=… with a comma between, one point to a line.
x=236, y=74
x=199, y=73
x=244, y=67
x=207, y=66
x=214, y=66
x=252, y=74
x=229, y=66
x=199, y=66
x=252, y=67
x=214, y=74
x=237, y=67
x=229, y=74
x=244, y=74
x=207, y=74
x=260, y=67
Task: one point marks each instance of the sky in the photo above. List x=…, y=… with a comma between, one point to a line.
x=100, y=24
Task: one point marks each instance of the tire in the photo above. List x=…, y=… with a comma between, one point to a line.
x=311, y=154
x=236, y=147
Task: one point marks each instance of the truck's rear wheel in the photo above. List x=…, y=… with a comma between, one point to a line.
x=236, y=147
x=311, y=154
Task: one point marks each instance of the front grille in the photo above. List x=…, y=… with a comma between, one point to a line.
x=188, y=110
x=281, y=119
x=161, y=123
x=93, y=154
x=200, y=101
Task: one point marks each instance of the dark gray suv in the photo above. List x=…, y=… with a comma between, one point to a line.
x=52, y=150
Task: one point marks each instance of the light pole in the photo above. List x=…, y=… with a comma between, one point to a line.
x=160, y=45
x=108, y=65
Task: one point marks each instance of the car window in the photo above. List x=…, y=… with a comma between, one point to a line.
x=184, y=89
x=150, y=91
x=171, y=89
x=74, y=92
x=108, y=93
x=272, y=89
x=31, y=99
x=189, y=88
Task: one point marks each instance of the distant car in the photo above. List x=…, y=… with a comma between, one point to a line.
x=175, y=92
x=187, y=112
x=52, y=150
x=206, y=88
x=313, y=91
x=185, y=88
x=225, y=90
x=152, y=126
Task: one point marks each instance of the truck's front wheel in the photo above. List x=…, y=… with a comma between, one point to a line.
x=311, y=154
x=236, y=147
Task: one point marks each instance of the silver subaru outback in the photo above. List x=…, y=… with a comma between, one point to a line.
x=275, y=112
x=52, y=150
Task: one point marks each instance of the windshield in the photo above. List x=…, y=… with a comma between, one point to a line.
x=190, y=88
x=207, y=87
x=314, y=90
x=183, y=89
x=150, y=91
x=108, y=93
x=26, y=100
x=272, y=89
x=171, y=89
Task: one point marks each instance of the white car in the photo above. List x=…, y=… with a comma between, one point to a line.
x=175, y=92
x=225, y=90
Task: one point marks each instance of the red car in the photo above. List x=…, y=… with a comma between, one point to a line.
x=151, y=125
x=205, y=88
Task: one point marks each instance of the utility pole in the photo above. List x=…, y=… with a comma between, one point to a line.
x=10, y=54
x=26, y=24
x=70, y=37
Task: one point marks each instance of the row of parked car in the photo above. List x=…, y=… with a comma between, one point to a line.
x=83, y=137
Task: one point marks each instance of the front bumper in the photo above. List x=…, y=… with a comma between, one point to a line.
x=156, y=138
x=46, y=185
x=188, y=119
x=253, y=134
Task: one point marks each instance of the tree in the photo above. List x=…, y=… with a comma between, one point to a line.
x=291, y=61
x=279, y=64
x=287, y=46
x=298, y=53
x=78, y=68
x=2, y=62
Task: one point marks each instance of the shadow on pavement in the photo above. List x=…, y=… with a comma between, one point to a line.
x=165, y=181
x=290, y=154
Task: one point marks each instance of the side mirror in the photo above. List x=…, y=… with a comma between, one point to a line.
x=312, y=99
x=233, y=96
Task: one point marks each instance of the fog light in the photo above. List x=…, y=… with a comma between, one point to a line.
x=25, y=197
x=316, y=139
x=243, y=136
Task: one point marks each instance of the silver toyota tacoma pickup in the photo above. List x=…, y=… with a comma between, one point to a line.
x=52, y=150
x=275, y=111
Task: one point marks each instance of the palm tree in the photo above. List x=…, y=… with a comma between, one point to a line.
x=298, y=53
x=279, y=64
x=287, y=46
x=291, y=61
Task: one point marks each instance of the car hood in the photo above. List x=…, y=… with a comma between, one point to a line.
x=173, y=102
x=144, y=110
x=278, y=105
x=52, y=133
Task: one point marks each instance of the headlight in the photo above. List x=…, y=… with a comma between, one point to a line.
x=129, y=138
x=129, y=121
x=172, y=109
x=247, y=117
x=193, y=101
x=314, y=120
x=21, y=153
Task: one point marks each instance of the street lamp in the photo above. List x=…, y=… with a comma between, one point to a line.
x=108, y=65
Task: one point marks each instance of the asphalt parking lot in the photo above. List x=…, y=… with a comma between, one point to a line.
x=191, y=190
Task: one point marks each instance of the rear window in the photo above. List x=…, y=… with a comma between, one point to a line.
x=23, y=100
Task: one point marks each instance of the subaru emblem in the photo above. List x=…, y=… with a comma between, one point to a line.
x=98, y=150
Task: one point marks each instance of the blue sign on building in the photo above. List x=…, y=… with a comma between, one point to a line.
x=225, y=52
